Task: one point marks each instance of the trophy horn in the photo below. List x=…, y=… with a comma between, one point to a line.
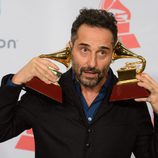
x=63, y=56
x=121, y=52
x=128, y=73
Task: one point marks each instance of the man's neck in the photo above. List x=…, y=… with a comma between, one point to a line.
x=91, y=93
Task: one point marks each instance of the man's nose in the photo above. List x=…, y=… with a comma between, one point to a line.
x=92, y=62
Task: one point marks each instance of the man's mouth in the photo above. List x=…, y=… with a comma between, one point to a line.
x=90, y=74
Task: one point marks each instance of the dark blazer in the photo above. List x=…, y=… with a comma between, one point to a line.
x=62, y=131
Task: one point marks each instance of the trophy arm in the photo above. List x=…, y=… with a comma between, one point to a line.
x=143, y=62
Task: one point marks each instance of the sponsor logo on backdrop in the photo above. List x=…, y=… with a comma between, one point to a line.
x=8, y=43
x=123, y=17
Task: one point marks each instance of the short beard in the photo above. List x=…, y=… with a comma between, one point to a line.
x=87, y=81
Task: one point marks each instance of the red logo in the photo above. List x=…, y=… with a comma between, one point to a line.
x=26, y=141
x=123, y=17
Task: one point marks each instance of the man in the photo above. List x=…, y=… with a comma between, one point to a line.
x=86, y=124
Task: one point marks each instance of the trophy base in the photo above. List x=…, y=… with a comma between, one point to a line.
x=50, y=90
x=128, y=91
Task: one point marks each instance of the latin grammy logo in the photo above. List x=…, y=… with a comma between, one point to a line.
x=123, y=17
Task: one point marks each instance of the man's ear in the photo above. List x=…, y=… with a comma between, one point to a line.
x=70, y=44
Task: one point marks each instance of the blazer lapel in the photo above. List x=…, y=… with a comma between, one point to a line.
x=70, y=97
x=106, y=105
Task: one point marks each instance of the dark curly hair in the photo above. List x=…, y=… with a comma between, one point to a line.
x=95, y=17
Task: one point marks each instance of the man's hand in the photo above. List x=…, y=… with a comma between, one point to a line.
x=150, y=84
x=37, y=67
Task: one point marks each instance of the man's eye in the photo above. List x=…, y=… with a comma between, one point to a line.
x=84, y=50
x=102, y=53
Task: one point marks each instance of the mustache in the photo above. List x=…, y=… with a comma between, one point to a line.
x=92, y=69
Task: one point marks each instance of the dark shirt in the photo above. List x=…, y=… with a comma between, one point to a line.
x=92, y=110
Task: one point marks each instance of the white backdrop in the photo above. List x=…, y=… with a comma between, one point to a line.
x=33, y=27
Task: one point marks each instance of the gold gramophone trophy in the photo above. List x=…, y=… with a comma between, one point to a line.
x=126, y=87
x=51, y=90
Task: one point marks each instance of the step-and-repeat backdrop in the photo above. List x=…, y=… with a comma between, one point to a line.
x=33, y=27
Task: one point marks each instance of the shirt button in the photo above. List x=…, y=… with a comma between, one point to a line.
x=89, y=119
x=89, y=130
x=87, y=145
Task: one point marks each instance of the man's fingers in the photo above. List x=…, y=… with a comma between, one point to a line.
x=146, y=79
x=46, y=75
x=140, y=99
x=49, y=63
x=147, y=82
x=42, y=70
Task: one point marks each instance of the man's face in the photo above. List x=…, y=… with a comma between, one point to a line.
x=91, y=55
